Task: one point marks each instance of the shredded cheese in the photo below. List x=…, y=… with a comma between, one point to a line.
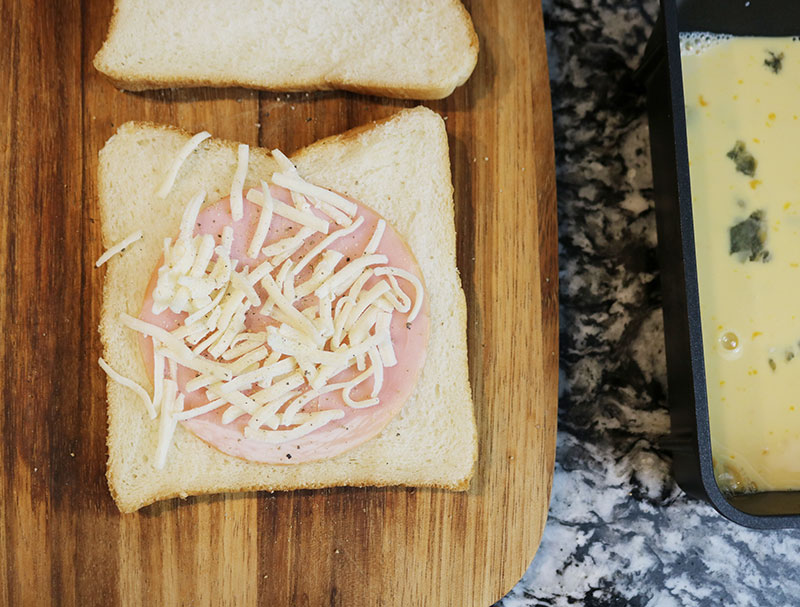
x=189, y=147
x=234, y=328
x=344, y=278
x=324, y=269
x=385, y=347
x=360, y=330
x=325, y=325
x=245, y=345
x=237, y=206
x=243, y=283
x=283, y=273
x=367, y=299
x=325, y=243
x=190, y=215
x=273, y=375
x=118, y=248
x=377, y=366
x=198, y=411
x=198, y=363
x=300, y=322
x=241, y=404
x=264, y=221
x=205, y=251
x=294, y=183
x=341, y=314
x=415, y=282
x=302, y=350
x=279, y=388
x=396, y=298
x=288, y=417
x=348, y=388
x=300, y=202
x=334, y=213
x=268, y=413
x=302, y=235
x=286, y=165
x=245, y=362
x=129, y=383
x=174, y=347
x=281, y=436
x=204, y=311
x=302, y=216
x=260, y=272
x=158, y=378
x=243, y=380
x=373, y=243
x=277, y=367
x=166, y=427
x=289, y=244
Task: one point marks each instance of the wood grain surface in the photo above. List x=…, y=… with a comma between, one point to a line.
x=62, y=541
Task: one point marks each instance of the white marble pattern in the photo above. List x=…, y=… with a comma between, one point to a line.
x=620, y=531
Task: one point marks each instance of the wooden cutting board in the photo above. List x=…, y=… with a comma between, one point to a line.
x=62, y=541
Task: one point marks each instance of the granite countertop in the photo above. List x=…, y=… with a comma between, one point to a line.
x=620, y=531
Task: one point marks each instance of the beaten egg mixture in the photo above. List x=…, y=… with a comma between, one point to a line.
x=743, y=124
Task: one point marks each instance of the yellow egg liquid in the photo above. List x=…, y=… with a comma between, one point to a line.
x=743, y=125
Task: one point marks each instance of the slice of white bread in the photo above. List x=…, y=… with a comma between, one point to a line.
x=418, y=49
x=400, y=167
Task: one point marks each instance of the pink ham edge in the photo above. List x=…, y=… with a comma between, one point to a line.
x=358, y=425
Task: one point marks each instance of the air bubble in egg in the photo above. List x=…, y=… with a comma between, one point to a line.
x=729, y=341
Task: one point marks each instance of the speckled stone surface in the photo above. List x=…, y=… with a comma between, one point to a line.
x=620, y=531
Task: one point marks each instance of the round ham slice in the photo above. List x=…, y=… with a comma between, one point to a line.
x=357, y=425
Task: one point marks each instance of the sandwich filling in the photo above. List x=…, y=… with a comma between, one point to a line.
x=284, y=324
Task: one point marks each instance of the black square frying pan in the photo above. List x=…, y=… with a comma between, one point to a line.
x=660, y=71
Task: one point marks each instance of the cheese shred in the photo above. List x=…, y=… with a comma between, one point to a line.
x=129, y=383
x=237, y=210
x=415, y=282
x=264, y=221
x=189, y=147
x=118, y=248
x=277, y=375
x=173, y=403
x=190, y=215
x=295, y=183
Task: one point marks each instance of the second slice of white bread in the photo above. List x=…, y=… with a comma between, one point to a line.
x=400, y=167
x=419, y=49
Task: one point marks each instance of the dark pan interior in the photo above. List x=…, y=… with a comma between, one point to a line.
x=740, y=17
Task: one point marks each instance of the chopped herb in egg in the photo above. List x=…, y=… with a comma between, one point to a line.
x=744, y=160
x=774, y=62
x=748, y=238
